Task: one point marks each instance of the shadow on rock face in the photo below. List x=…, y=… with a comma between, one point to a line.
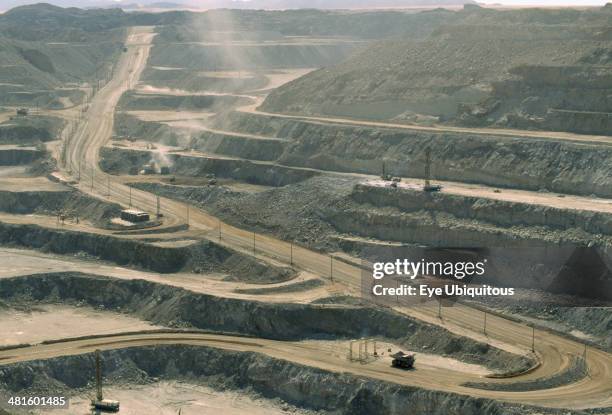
x=587, y=273
x=366, y=402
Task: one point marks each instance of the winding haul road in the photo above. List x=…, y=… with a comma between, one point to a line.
x=554, y=351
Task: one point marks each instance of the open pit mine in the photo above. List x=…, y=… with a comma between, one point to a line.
x=206, y=209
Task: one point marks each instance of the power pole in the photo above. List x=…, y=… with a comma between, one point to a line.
x=396, y=290
x=485, y=323
x=331, y=268
x=533, y=338
x=158, y=208
x=361, y=359
x=427, y=167
x=291, y=252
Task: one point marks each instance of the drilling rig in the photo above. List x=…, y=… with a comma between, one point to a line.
x=428, y=187
x=100, y=404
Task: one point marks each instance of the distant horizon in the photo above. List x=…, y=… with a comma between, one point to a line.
x=202, y=4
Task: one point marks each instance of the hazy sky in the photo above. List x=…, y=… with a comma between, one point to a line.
x=7, y=4
x=546, y=2
x=505, y=2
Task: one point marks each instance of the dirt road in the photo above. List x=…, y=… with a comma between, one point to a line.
x=554, y=200
x=312, y=354
x=17, y=262
x=546, y=135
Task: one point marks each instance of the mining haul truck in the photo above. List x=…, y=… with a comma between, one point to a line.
x=402, y=360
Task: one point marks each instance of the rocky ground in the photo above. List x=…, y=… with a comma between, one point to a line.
x=590, y=321
x=179, y=308
x=304, y=218
x=476, y=70
x=27, y=322
x=293, y=212
x=298, y=386
x=167, y=397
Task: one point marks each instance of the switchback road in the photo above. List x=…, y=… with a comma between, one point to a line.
x=553, y=350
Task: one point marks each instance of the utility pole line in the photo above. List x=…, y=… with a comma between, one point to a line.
x=396, y=290
x=485, y=323
x=427, y=166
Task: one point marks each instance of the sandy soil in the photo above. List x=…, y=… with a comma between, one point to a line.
x=281, y=77
x=546, y=135
x=161, y=116
x=167, y=398
x=50, y=322
x=144, y=145
x=6, y=115
x=14, y=171
x=244, y=187
x=186, y=181
x=30, y=184
x=17, y=262
x=15, y=147
x=167, y=68
x=509, y=195
x=199, y=124
x=340, y=349
x=154, y=90
x=227, y=74
x=121, y=222
x=591, y=392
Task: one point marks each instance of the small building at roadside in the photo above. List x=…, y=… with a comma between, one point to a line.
x=134, y=216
